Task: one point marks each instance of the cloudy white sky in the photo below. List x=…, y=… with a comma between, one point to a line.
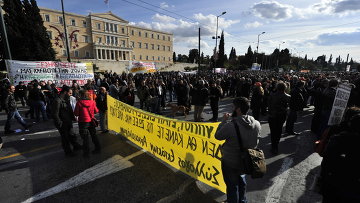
x=312, y=27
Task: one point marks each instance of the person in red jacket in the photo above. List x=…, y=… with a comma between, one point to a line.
x=85, y=109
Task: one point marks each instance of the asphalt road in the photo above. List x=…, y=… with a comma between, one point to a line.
x=33, y=168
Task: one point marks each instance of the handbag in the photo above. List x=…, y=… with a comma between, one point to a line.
x=253, y=160
x=94, y=121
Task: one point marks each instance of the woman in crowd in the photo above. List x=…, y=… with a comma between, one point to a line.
x=85, y=109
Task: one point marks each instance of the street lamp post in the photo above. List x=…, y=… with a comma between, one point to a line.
x=216, y=34
x=65, y=32
x=279, y=54
x=257, y=47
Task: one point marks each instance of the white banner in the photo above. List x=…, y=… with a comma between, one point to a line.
x=220, y=70
x=141, y=67
x=255, y=66
x=339, y=105
x=348, y=68
x=61, y=73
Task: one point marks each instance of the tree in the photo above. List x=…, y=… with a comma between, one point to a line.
x=330, y=59
x=27, y=35
x=221, y=56
x=16, y=26
x=174, y=57
x=248, y=57
x=202, y=57
x=42, y=46
x=232, y=55
x=193, y=55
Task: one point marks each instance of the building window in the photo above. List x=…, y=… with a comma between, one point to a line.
x=146, y=46
x=139, y=43
x=86, y=39
x=163, y=48
x=84, y=23
x=153, y=58
x=123, y=43
x=152, y=35
x=76, y=53
x=169, y=49
x=132, y=44
x=60, y=19
x=169, y=39
x=158, y=58
x=152, y=46
x=87, y=54
x=134, y=57
x=158, y=47
x=107, y=39
x=164, y=37
x=111, y=27
x=123, y=30
x=116, y=41
x=107, y=26
x=75, y=37
x=147, y=57
x=139, y=33
x=98, y=25
x=140, y=57
x=99, y=39
x=158, y=36
x=73, y=22
x=132, y=32
x=47, y=18
x=146, y=34
x=64, y=53
x=115, y=28
x=49, y=33
x=112, y=40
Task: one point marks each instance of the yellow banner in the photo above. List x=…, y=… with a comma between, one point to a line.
x=187, y=146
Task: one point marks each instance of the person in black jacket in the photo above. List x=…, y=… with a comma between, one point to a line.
x=296, y=104
x=102, y=106
x=278, y=104
x=20, y=92
x=340, y=177
x=63, y=116
x=200, y=96
x=215, y=95
x=11, y=111
x=38, y=100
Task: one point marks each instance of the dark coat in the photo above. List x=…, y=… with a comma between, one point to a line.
x=339, y=168
x=10, y=103
x=328, y=97
x=62, y=112
x=278, y=104
x=297, y=99
x=200, y=96
x=101, y=102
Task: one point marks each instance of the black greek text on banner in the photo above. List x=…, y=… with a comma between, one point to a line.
x=187, y=146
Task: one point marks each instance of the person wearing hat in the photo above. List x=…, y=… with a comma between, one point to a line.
x=63, y=119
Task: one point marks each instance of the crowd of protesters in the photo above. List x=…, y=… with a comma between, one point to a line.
x=278, y=96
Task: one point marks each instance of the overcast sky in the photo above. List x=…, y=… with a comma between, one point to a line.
x=312, y=27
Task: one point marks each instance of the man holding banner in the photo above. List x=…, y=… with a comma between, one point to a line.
x=250, y=130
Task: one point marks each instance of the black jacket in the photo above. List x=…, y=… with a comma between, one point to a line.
x=62, y=112
x=278, y=104
x=101, y=102
x=297, y=100
x=200, y=96
x=10, y=103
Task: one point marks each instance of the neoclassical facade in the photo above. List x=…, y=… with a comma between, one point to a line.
x=105, y=36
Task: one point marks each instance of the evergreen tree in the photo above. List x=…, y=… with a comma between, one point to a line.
x=249, y=57
x=174, y=57
x=221, y=56
x=41, y=44
x=193, y=55
x=202, y=57
x=17, y=28
x=232, y=55
x=330, y=59
x=305, y=57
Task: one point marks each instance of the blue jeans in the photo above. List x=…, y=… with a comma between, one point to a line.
x=235, y=184
x=14, y=114
x=40, y=107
